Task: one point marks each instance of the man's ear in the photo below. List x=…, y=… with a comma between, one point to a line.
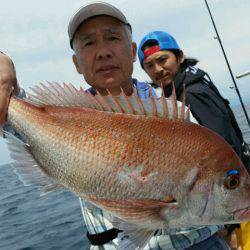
x=74, y=59
x=134, y=47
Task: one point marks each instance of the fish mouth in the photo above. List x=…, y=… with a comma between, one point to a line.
x=242, y=214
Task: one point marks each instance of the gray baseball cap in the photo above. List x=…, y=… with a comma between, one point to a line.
x=91, y=10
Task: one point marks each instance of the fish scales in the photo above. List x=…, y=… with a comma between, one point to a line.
x=109, y=142
x=154, y=172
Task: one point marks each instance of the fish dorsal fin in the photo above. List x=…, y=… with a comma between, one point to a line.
x=67, y=95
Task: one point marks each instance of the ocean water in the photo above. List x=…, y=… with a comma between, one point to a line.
x=28, y=221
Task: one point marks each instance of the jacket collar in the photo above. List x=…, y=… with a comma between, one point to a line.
x=188, y=75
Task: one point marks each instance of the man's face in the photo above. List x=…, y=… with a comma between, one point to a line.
x=104, y=53
x=162, y=66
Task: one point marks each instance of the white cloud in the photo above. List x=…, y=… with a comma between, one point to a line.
x=34, y=33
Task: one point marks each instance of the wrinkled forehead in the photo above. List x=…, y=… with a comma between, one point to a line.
x=92, y=34
x=100, y=24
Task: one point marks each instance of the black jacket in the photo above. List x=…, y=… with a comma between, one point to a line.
x=208, y=107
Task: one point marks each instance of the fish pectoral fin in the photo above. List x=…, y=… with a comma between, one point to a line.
x=134, y=239
x=138, y=219
x=123, y=225
x=26, y=167
x=136, y=211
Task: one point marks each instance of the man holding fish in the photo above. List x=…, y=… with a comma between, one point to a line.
x=104, y=54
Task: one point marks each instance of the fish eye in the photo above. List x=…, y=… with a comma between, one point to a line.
x=232, y=180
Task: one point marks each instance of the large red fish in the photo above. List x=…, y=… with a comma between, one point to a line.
x=142, y=161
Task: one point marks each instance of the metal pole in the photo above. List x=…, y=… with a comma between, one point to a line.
x=235, y=85
x=243, y=74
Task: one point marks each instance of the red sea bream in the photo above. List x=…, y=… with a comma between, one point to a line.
x=142, y=161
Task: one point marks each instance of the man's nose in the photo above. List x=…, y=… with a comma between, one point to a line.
x=158, y=68
x=103, y=52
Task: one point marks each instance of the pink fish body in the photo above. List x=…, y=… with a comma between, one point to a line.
x=150, y=171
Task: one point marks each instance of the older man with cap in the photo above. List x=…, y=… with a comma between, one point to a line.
x=104, y=53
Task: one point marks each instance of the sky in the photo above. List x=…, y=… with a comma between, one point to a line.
x=34, y=34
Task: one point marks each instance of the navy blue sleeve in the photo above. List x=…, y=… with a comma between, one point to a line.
x=211, y=112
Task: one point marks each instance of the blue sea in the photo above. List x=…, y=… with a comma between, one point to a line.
x=28, y=221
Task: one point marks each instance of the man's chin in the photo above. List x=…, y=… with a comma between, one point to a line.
x=165, y=84
x=111, y=84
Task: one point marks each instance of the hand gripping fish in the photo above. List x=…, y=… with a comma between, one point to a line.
x=142, y=161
